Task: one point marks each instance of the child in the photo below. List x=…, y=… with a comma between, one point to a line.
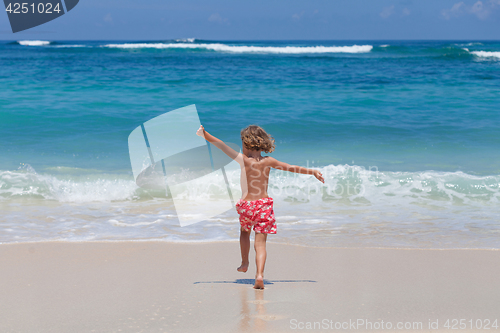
x=256, y=207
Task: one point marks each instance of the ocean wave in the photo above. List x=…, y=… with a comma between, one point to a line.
x=124, y=224
x=185, y=40
x=47, y=43
x=354, y=206
x=33, y=42
x=451, y=52
x=470, y=44
x=76, y=45
x=486, y=54
x=352, y=185
x=247, y=48
x=483, y=54
x=26, y=183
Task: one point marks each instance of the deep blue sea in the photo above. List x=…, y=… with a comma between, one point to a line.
x=406, y=132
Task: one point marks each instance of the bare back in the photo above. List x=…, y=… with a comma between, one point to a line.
x=257, y=177
x=255, y=168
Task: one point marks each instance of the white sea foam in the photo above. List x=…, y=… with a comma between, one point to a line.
x=76, y=45
x=483, y=54
x=247, y=48
x=185, y=40
x=14, y=184
x=342, y=182
x=137, y=224
x=34, y=42
x=469, y=44
x=486, y=54
x=415, y=209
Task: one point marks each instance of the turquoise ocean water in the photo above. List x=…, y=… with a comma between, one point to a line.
x=406, y=133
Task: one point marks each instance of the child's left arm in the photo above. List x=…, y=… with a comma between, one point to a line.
x=274, y=163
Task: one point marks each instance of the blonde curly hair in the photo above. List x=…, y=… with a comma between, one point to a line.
x=255, y=138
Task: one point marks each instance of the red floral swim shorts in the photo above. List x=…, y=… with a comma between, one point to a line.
x=258, y=214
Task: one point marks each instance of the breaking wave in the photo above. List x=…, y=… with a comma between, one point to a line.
x=247, y=48
x=343, y=183
x=33, y=42
x=484, y=54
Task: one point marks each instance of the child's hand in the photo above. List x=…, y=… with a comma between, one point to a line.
x=319, y=176
x=201, y=131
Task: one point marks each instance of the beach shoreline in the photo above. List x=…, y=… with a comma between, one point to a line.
x=147, y=286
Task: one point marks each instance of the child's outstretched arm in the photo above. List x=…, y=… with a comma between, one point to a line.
x=219, y=144
x=274, y=163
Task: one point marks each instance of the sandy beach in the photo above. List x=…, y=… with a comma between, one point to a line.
x=158, y=286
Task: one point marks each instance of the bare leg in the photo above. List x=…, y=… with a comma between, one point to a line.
x=245, y=249
x=260, y=259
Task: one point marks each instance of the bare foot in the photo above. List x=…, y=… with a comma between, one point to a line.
x=259, y=283
x=243, y=268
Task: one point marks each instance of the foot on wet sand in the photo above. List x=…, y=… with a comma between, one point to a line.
x=243, y=268
x=259, y=283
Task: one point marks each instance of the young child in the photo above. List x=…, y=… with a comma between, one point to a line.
x=256, y=207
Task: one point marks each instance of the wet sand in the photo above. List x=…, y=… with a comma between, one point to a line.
x=161, y=287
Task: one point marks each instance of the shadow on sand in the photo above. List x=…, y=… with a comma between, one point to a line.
x=252, y=281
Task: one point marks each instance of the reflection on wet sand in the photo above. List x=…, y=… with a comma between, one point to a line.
x=260, y=317
x=245, y=311
x=252, y=319
x=254, y=316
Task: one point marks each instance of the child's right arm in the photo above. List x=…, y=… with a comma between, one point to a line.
x=218, y=143
x=274, y=163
